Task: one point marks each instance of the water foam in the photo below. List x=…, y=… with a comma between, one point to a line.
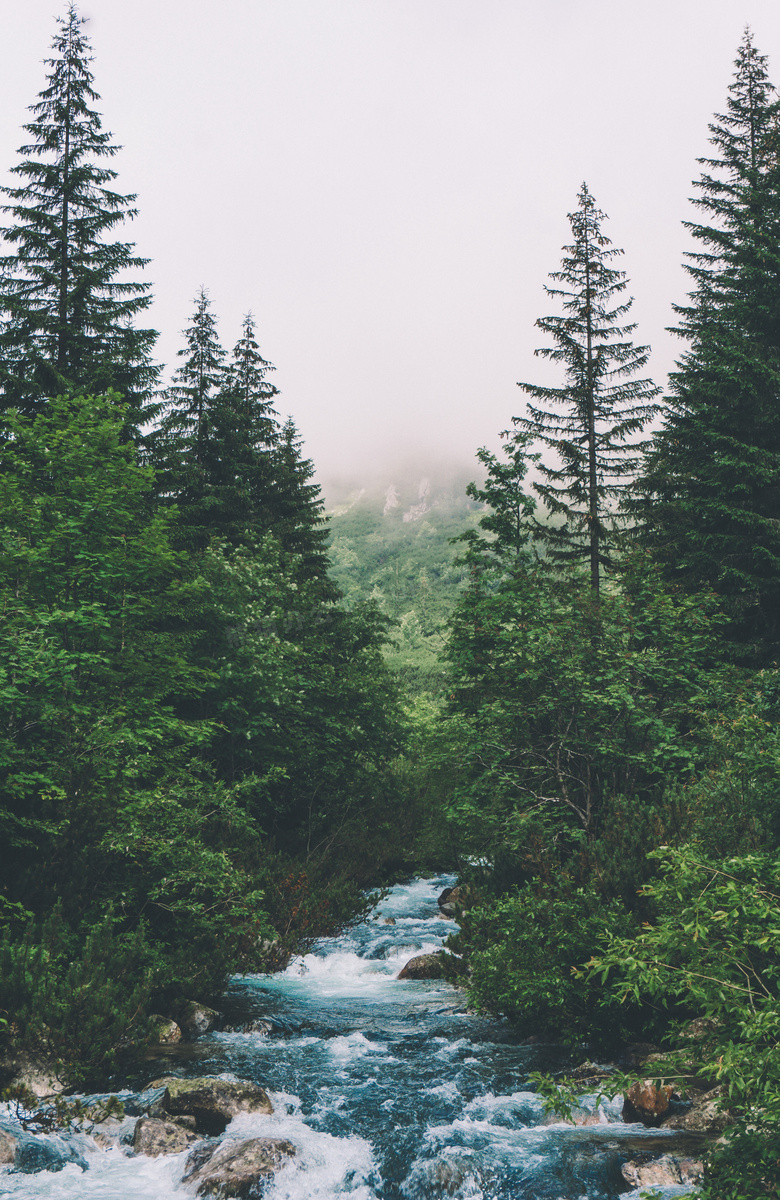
x=324, y=1165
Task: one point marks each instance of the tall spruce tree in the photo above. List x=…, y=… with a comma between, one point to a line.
x=709, y=497
x=248, y=383
x=179, y=447
x=67, y=304
x=297, y=511
x=591, y=421
x=198, y=381
x=237, y=460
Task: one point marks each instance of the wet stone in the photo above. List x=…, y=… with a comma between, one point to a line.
x=234, y=1168
x=163, y=1031
x=8, y=1145
x=197, y=1019
x=423, y=966
x=45, y=1152
x=666, y=1171
x=212, y=1102
x=154, y=1137
x=647, y=1103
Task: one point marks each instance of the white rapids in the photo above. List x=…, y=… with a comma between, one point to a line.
x=389, y=1089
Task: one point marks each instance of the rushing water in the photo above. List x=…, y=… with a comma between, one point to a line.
x=389, y=1089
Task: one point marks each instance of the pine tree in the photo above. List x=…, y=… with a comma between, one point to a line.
x=600, y=408
x=247, y=381
x=179, y=447
x=237, y=456
x=709, y=497
x=66, y=302
x=297, y=514
x=197, y=382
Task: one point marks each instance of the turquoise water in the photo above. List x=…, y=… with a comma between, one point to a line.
x=389, y=1089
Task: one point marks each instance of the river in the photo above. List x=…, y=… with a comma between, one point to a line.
x=389, y=1089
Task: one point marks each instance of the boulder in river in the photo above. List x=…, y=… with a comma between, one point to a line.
x=647, y=1103
x=235, y=1168
x=197, y=1019
x=423, y=966
x=153, y=1136
x=666, y=1171
x=449, y=900
x=704, y=1116
x=46, y=1153
x=31, y=1075
x=163, y=1031
x=590, y=1075
x=8, y=1145
x=261, y=1026
x=212, y=1102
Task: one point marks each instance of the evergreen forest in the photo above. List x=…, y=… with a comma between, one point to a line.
x=229, y=718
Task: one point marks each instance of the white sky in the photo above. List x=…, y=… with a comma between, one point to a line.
x=385, y=183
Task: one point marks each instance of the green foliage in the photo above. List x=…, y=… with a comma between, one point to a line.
x=92, y=647
x=74, y=1004
x=574, y=709
x=393, y=545
x=734, y=801
x=296, y=512
x=163, y=718
x=523, y=951
x=508, y=510
x=302, y=702
x=179, y=445
x=709, y=500
x=714, y=952
x=188, y=860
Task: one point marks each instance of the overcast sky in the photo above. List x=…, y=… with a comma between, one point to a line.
x=385, y=183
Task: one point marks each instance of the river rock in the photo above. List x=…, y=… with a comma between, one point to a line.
x=110, y=1133
x=235, y=1168
x=46, y=1152
x=35, y=1076
x=154, y=1137
x=704, y=1116
x=647, y=1103
x=212, y=1102
x=163, y=1031
x=423, y=966
x=667, y=1171
x=8, y=1145
x=590, y=1075
x=449, y=900
x=197, y=1019
x=264, y=1028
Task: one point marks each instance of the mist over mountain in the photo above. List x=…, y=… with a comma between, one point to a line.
x=392, y=533
x=404, y=488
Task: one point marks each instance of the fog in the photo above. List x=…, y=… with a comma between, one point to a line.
x=385, y=183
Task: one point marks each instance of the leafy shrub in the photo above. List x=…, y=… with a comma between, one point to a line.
x=524, y=951
x=73, y=1006
x=714, y=952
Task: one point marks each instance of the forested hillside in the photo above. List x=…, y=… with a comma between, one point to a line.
x=392, y=542
x=224, y=718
